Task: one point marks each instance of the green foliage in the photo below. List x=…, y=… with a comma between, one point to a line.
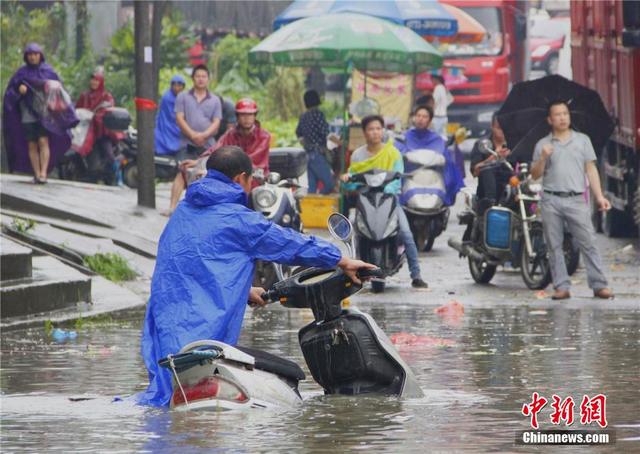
x=175, y=40
x=22, y=225
x=231, y=52
x=285, y=91
x=164, y=78
x=48, y=327
x=112, y=266
x=284, y=131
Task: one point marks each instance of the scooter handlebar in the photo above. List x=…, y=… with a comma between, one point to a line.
x=366, y=273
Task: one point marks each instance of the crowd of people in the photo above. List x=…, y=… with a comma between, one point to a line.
x=210, y=268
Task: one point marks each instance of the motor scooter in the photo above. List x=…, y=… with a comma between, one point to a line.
x=278, y=199
x=345, y=350
x=166, y=166
x=98, y=165
x=377, y=225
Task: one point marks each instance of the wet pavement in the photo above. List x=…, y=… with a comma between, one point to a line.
x=477, y=368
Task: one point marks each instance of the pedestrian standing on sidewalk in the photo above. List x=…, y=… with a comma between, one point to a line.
x=562, y=158
x=198, y=113
x=37, y=117
x=167, y=132
x=312, y=131
x=441, y=99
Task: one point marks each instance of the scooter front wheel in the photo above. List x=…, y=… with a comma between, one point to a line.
x=130, y=175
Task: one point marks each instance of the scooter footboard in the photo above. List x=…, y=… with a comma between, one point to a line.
x=345, y=356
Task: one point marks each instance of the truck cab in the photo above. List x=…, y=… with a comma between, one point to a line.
x=479, y=75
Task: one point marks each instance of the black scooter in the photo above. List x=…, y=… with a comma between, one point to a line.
x=377, y=224
x=166, y=167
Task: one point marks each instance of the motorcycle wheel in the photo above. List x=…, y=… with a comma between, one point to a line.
x=429, y=243
x=378, y=285
x=130, y=175
x=481, y=271
x=571, y=254
x=536, y=272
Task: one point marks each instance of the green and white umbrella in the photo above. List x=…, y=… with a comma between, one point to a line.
x=341, y=40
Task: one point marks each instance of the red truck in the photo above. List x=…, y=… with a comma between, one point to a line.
x=483, y=72
x=605, y=56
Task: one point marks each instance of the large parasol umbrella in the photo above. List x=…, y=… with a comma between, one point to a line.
x=523, y=116
x=425, y=17
x=340, y=40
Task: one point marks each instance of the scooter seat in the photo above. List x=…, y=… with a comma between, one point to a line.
x=274, y=364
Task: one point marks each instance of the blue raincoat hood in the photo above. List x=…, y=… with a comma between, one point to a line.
x=204, y=269
x=215, y=188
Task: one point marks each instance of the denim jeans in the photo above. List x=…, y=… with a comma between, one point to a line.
x=409, y=243
x=318, y=169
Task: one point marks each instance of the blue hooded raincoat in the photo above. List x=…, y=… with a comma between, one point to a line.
x=167, y=133
x=204, y=270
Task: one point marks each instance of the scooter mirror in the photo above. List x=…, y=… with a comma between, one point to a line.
x=273, y=178
x=485, y=146
x=340, y=227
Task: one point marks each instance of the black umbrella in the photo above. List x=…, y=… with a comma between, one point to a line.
x=523, y=116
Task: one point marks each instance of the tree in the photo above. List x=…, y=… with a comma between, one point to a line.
x=145, y=116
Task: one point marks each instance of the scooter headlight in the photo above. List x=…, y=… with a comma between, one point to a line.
x=264, y=198
x=392, y=226
x=362, y=227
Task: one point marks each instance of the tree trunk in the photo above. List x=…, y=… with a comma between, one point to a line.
x=159, y=9
x=145, y=116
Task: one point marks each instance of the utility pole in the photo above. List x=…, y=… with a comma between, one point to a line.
x=145, y=104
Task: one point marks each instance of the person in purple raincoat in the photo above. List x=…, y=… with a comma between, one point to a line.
x=37, y=117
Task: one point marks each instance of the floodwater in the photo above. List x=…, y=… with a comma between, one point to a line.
x=476, y=371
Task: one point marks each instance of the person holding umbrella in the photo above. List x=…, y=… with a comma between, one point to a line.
x=562, y=158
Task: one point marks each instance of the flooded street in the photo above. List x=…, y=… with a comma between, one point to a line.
x=477, y=372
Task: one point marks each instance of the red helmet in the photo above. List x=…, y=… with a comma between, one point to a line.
x=246, y=105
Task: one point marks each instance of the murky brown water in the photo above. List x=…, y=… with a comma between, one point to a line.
x=476, y=378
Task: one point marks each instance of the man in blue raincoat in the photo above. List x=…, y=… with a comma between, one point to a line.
x=205, y=264
x=167, y=133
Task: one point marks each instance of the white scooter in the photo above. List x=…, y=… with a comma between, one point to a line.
x=347, y=353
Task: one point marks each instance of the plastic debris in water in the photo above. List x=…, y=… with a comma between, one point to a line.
x=60, y=335
x=541, y=294
x=409, y=339
x=451, y=313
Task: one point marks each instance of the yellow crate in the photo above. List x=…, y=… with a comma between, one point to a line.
x=317, y=208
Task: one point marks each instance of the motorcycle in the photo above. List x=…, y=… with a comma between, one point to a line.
x=166, y=167
x=345, y=350
x=278, y=199
x=377, y=225
x=508, y=232
x=99, y=164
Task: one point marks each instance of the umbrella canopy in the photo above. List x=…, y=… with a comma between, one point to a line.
x=523, y=116
x=338, y=40
x=425, y=17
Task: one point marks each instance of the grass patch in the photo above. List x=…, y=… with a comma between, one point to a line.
x=22, y=225
x=111, y=266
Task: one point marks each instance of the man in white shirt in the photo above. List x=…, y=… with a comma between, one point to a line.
x=442, y=99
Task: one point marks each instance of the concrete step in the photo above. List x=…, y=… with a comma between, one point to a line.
x=15, y=260
x=52, y=286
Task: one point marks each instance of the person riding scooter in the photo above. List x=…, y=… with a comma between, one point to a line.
x=384, y=156
x=205, y=264
x=435, y=177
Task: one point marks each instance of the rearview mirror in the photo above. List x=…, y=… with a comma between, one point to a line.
x=340, y=227
x=485, y=146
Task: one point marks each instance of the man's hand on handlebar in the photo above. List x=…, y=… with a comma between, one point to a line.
x=255, y=297
x=345, y=177
x=351, y=266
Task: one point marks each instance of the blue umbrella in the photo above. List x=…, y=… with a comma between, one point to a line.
x=425, y=17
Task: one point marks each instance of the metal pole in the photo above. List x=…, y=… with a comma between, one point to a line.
x=145, y=115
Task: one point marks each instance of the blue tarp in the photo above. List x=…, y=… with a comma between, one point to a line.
x=204, y=270
x=425, y=17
